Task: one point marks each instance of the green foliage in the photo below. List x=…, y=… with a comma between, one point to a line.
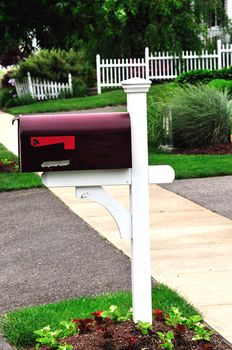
x=204, y=76
x=79, y=87
x=222, y=84
x=166, y=339
x=200, y=116
x=192, y=321
x=201, y=333
x=115, y=315
x=5, y=95
x=55, y=65
x=175, y=317
x=144, y=327
x=111, y=28
x=19, y=101
x=50, y=337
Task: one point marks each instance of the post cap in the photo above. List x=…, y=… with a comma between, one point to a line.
x=136, y=85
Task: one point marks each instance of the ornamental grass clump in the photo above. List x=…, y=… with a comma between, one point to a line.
x=201, y=116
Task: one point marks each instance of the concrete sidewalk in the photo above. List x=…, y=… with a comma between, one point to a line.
x=190, y=245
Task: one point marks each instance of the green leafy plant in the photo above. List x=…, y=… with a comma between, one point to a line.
x=114, y=314
x=47, y=337
x=175, y=317
x=201, y=116
x=192, y=321
x=50, y=337
x=144, y=327
x=166, y=339
x=201, y=333
x=65, y=347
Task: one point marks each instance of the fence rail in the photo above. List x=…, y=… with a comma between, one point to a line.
x=42, y=89
x=160, y=65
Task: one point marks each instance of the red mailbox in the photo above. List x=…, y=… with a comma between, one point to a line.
x=74, y=141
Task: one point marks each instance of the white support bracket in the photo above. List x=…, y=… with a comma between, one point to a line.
x=121, y=215
x=88, y=186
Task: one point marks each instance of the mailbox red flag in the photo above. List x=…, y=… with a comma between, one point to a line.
x=41, y=141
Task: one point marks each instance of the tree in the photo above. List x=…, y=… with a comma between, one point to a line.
x=113, y=28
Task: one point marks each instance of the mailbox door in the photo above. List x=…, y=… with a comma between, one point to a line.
x=74, y=142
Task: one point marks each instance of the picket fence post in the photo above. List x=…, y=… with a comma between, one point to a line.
x=98, y=74
x=219, y=53
x=31, y=90
x=147, y=62
x=70, y=83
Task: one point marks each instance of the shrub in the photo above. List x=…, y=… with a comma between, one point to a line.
x=222, y=84
x=200, y=116
x=79, y=87
x=5, y=95
x=55, y=65
x=19, y=101
x=155, y=123
x=204, y=76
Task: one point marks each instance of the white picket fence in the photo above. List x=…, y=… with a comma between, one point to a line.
x=160, y=65
x=42, y=89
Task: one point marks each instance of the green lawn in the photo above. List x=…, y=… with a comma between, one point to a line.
x=107, y=98
x=18, y=326
x=110, y=98
x=193, y=166
x=17, y=180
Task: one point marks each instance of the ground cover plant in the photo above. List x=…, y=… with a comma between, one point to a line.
x=10, y=177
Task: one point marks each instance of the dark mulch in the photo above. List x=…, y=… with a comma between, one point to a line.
x=124, y=336
x=215, y=149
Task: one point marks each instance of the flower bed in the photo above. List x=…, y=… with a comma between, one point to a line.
x=108, y=330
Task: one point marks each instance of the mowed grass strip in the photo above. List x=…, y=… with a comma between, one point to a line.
x=159, y=92
x=17, y=180
x=110, y=98
x=194, y=166
x=18, y=326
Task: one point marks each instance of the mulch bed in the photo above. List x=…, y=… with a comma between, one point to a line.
x=124, y=336
x=215, y=149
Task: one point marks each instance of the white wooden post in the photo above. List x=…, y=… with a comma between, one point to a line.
x=30, y=85
x=136, y=90
x=98, y=74
x=70, y=83
x=219, y=53
x=147, y=62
